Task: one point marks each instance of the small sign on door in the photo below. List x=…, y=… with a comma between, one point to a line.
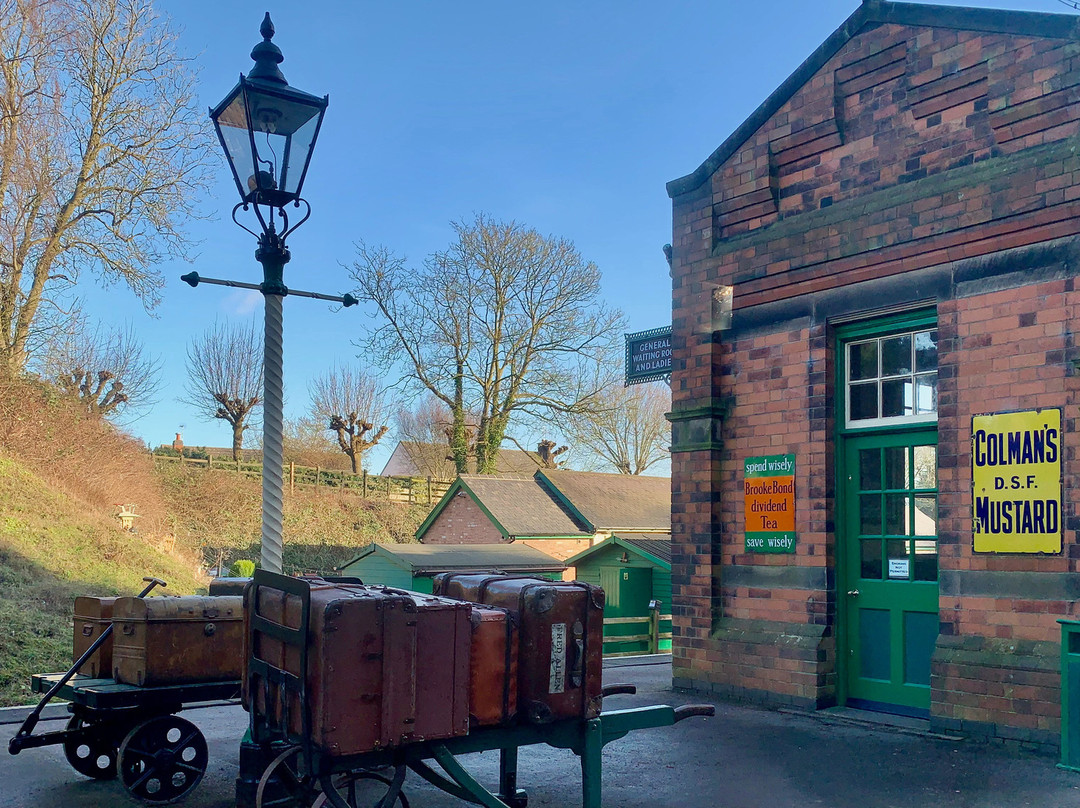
x=898, y=568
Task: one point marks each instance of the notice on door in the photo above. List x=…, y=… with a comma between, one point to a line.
x=769, y=499
x=1016, y=482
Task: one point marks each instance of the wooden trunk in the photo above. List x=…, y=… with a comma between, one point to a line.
x=92, y=616
x=493, y=666
x=170, y=640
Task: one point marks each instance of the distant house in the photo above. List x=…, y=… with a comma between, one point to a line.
x=559, y=512
x=416, y=459
x=413, y=566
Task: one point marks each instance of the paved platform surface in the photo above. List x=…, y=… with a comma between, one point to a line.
x=742, y=758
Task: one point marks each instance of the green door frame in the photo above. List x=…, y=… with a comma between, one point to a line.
x=909, y=320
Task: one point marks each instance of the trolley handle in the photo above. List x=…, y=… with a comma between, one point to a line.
x=19, y=742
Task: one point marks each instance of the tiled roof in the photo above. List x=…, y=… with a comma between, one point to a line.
x=415, y=459
x=523, y=507
x=426, y=558
x=614, y=501
x=655, y=544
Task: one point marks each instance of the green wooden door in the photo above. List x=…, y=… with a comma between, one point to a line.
x=889, y=588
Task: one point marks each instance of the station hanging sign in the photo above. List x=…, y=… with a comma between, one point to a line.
x=769, y=500
x=648, y=356
x=1016, y=482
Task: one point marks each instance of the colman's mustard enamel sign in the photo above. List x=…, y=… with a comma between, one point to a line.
x=1016, y=482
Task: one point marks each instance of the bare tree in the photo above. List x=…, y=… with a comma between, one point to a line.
x=306, y=442
x=424, y=433
x=225, y=374
x=505, y=323
x=627, y=429
x=350, y=403
x=105, y=368
x=103, y=152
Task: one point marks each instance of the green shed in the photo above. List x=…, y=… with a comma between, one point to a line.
x=412, y=566
x=634, y=571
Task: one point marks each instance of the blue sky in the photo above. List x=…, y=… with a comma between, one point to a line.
x=565, y=116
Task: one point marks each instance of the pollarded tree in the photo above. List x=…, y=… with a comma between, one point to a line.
x=103, y=152
x=105, y=368
x=351, y=405
x=505, y=323
x=225, y=376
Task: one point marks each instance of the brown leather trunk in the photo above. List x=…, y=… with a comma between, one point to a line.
x=384, y=667
x=92, y=616
x=561, y=639
x=493, y=667
x=227, y=586
x=171, y=641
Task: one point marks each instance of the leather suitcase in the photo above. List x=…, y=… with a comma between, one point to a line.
x=384, y=667
x=561, y=639
x=177, y=640
x=493, y=667
x=91, y=617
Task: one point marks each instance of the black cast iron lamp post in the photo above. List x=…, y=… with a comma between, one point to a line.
x=268, y=131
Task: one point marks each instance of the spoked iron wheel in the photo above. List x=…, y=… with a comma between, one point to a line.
x=162, y=760
x=363, y=789
x=283, y=784
x=93, y=753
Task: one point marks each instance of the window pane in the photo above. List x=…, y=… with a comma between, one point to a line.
x=870, y=469
x=896, y=514
x=871, y=559
x=898, y=565
x=926, y=467
x=896, y=467
x=870, y=514
x=895, y=398
x=863, y=362
x=864, y=401
x=926, y=393
x=896, y=355
x=925, y=351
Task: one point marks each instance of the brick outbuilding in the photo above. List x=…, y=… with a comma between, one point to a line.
x=875, y=379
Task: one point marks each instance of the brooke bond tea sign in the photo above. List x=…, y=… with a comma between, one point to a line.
x=1016, y=482
x=769, y=499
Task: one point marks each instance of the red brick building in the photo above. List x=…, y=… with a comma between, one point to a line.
x=896, y=230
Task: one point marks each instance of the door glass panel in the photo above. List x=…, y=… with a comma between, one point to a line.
x=920, y=634
x=870, y=514
x=896, y=356
x=896, y=514
x=875, y=653
x=898, y=566
x=925, y=351
x=863, y=361
x=926, y=560
x=926, y=516
x=925, y=467
x=871, y=559
x=864, y=401
x=896, y=467
x=869, y=469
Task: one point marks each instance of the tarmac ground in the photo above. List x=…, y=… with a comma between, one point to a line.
x=744, y=757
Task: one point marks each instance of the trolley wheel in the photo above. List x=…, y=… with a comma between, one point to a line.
x=360, y=789
x=94, y=753
x=161, y=760
x=282, y=783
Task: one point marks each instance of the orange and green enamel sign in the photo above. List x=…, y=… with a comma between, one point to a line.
x=769, y=499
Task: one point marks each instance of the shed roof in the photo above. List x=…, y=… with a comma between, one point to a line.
x=421, y=559
x=653, y=547
x=870, y=13
x=613, y=501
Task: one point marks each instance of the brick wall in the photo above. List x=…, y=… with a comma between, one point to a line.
x=462, y=522
x=904, y=163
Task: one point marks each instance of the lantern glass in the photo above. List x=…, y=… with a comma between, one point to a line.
x=268, y=134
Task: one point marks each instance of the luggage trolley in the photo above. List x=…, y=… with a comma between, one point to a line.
x=127, y=731
x=291, y=770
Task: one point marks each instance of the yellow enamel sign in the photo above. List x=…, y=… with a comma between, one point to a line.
x=1016, y=482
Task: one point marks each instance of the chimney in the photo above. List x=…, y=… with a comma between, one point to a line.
x=178, y=444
